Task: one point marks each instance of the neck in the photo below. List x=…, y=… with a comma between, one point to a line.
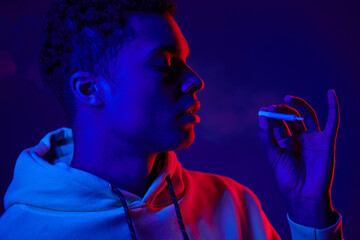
x=120, y=164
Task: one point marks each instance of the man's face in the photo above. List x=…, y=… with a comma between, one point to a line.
x=145, y=108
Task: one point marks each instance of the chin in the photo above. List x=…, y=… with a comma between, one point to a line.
x=175, y=138
x=186, y=140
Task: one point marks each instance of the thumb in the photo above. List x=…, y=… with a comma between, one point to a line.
x=267, y=139
x=332, y=124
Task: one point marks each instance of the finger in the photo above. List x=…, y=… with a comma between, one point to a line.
x=267, y=138
x=296, y=127
x=279, y=127
x=306, y=111
x=332, y=124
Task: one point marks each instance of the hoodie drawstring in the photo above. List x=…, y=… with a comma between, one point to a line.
x=127, y=215
x=126, y=209
x=177, y=208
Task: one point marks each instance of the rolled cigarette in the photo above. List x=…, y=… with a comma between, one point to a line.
x=281, y=116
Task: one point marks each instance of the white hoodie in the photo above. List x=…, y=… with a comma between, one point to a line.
x=48, y=199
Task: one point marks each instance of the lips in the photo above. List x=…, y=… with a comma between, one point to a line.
x=192, y=109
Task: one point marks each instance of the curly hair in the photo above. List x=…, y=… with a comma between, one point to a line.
x=86, y=35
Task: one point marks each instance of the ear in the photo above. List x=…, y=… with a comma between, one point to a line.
x=86, y=88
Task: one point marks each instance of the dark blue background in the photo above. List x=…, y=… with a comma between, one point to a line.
x=249, y=54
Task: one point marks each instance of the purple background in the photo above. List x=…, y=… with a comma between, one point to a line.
x=249, y=54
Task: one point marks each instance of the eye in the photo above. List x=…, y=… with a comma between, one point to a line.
x=166, y=69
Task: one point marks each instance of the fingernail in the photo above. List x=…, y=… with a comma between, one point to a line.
x=288, y=98
x=272, y=107
x=264, y=109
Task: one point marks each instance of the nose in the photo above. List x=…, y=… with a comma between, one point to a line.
x=192, y=82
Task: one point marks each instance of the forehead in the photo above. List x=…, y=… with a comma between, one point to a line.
x=154, y=30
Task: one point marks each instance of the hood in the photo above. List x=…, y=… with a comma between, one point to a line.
x=43, y=178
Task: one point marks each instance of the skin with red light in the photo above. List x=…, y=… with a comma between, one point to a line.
x=122, y=128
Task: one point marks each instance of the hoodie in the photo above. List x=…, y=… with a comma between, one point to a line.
x=48, y=199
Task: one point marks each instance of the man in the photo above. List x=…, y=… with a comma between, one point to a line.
x=119, y=68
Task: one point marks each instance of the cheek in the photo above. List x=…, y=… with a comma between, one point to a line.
x=143, y=105
x=140, y=113
x=124, y=112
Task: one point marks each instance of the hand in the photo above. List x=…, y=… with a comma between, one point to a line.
x=302, y=158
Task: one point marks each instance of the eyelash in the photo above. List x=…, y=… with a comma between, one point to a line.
x=166, y=69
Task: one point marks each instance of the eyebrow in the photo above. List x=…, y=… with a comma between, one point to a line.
x=165, y=48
